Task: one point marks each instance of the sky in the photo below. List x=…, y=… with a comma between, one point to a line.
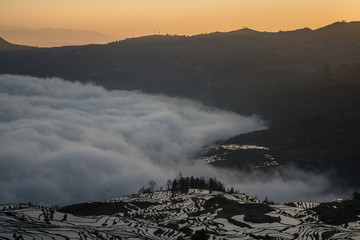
x=131, y=18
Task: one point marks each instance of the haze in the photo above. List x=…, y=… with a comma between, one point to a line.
x=124, y=18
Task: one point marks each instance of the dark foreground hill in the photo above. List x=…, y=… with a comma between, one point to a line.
x=197, y=214
x=306, y=83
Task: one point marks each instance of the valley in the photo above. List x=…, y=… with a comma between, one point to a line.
x=304, y=83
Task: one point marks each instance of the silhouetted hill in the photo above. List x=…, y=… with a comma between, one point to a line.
x=341, y=29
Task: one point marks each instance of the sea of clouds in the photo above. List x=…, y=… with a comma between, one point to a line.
x=63, y=142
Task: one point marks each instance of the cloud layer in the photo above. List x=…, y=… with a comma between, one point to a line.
x=63, y=142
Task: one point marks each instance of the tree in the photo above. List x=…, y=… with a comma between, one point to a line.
x=192, y=182
x=174, y=186
x=168, y=183
x=356, y=196
x=142, y=190
x=211, y=185
x=152, y=185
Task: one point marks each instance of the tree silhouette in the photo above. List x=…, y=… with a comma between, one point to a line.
x=183, y=184
x=152, y=185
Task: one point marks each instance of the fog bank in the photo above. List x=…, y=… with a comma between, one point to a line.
x=63, y=142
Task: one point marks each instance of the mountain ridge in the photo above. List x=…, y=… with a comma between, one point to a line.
x=345, y=28
x=305, y=83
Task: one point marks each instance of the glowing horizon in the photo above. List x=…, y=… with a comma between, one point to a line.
x=125, y=18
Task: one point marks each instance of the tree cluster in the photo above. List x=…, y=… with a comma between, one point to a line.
x=183, y=184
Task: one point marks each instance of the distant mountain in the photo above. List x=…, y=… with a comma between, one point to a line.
x=306, y=83
x=197, y=214
x=49, y=37
x=244, y=71
x=6, y=46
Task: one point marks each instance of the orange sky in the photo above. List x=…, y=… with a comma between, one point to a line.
x=128, y=18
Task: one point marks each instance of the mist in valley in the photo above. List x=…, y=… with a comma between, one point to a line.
x=64, y=142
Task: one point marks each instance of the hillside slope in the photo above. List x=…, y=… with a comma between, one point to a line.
x=163, y=215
